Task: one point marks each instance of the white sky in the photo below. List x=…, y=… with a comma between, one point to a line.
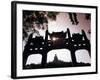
x=62, y=54
x=82, y=56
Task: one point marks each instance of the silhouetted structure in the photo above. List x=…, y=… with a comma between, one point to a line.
x=73, y=18
x=55, y=59
x=58, y=40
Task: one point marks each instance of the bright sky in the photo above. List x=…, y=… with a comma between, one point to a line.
x=62, y=54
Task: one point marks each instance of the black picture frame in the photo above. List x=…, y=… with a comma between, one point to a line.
x=14, y=41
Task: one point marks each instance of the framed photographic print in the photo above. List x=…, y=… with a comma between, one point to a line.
x=53, y=39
